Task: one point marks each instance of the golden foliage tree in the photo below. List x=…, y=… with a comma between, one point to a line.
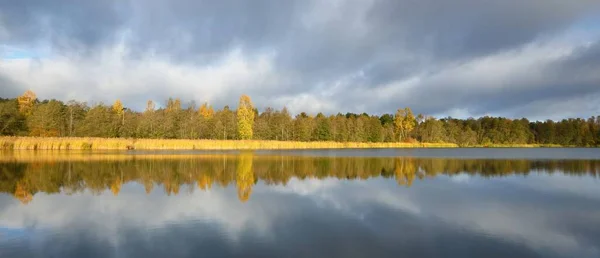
x=118, y=107
x=26, y=102
x=119, y=110
x=404, y=123
x=206, y=111
x=245, y=117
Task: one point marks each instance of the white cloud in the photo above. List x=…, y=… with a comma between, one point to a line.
x=113, y=73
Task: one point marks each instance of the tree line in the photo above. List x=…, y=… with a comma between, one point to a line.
x=186, y=174
x=28, y=116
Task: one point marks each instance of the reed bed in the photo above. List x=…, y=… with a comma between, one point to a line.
x=88, y=143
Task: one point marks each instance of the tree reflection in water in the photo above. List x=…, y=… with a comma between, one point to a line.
x=25, y=174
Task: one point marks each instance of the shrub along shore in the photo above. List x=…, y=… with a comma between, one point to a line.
x=89, y=143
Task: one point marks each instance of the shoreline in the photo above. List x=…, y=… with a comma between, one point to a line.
x=91, y=143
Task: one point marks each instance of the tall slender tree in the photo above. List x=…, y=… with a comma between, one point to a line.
x=119, y=110
x=245, y=117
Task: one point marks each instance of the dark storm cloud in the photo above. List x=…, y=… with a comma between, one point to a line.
x=466, y=27
x=573, y=76
x=202, y=31
x=9, y=88
x=407, y=36
x=332, y=51
x=65, y=24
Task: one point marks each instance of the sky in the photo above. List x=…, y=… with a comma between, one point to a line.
x=516, y=58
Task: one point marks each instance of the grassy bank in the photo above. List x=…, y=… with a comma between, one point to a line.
x=67, y=143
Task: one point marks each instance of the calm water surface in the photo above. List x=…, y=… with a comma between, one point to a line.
x=319, y=203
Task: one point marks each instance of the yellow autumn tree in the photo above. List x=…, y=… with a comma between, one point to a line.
x=119, y=110
x=206, y=111
x=245, y=117
x=118, y=107
x=404, y=123
x=26, y=102
x=244, y=176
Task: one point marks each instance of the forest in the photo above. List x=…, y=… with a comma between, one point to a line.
x=28, y=116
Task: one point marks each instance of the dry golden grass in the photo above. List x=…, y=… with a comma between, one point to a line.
x=86, y=143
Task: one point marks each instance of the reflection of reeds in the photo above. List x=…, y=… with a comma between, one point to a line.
x=73, y=143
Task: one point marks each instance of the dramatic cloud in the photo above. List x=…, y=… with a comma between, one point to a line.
x=534, y=58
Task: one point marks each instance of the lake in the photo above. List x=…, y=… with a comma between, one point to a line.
x=302, y=203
